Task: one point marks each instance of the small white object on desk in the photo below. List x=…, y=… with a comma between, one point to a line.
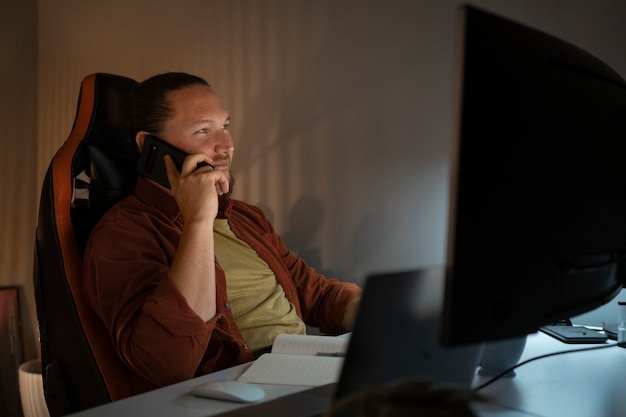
x=234, y=391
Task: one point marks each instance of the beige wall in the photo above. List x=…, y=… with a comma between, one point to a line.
x=18, y=153
x=342, y=109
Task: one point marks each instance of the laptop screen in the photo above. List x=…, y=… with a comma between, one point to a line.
x=397, y=335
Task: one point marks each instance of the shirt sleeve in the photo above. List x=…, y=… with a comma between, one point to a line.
x=153, y=329
x=323, y=300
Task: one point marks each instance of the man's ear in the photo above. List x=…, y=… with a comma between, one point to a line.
x=140, y=137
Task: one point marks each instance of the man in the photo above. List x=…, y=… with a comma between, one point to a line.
x=189, y=281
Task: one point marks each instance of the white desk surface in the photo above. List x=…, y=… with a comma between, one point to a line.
x=578, y=384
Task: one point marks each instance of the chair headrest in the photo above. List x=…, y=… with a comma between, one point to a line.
x=104, y=162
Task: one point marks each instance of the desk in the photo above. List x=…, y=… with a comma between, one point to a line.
x=579, y=384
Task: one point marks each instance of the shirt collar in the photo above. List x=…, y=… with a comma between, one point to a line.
x=156, y=196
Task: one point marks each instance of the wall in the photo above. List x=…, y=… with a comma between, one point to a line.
x=342, y=109
x=18, y=157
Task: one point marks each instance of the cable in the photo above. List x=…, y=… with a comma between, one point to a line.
x=501, y=374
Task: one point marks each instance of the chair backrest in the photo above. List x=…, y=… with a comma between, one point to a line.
x=93, y=169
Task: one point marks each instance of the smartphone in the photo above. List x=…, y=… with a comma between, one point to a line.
x=151, y=164
x=574, y=334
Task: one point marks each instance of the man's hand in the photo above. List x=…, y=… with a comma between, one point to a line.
x=349, y=316
x=196, y=190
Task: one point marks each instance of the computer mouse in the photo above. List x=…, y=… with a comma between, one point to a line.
x=236, y=391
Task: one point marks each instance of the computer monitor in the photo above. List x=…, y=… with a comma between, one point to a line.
x=537, y=209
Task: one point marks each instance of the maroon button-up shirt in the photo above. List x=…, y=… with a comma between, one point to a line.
x=159, y=338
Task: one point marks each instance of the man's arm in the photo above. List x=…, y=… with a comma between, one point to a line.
x=193, y=270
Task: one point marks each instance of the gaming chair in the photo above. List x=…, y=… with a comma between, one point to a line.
x=92, y=170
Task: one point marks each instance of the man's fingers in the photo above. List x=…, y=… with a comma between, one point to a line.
x=222, y=185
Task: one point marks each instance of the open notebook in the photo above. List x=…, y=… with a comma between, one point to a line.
x=395, y=337
x=302, y=360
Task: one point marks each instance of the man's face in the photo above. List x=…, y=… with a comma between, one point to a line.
x=200, y=124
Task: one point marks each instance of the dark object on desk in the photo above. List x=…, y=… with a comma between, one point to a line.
x=411, y=347
x=574, y=334
x=383, y=359
x=407, y=399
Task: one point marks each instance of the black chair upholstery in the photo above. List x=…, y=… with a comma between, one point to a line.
x=93, y=169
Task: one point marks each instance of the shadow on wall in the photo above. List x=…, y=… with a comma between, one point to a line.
x=337, y=121
x=304, y=220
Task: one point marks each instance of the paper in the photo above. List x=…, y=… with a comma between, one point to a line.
x=309, y=344
x=294, y=361
x=287, y=369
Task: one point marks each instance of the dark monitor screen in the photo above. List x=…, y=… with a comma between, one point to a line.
x=537, y=226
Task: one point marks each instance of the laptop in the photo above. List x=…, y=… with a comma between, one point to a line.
x=395, y=337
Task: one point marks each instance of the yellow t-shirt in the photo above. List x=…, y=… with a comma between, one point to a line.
x=257, y=300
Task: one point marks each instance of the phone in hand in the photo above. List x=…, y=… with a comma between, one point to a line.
x=151, y=163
